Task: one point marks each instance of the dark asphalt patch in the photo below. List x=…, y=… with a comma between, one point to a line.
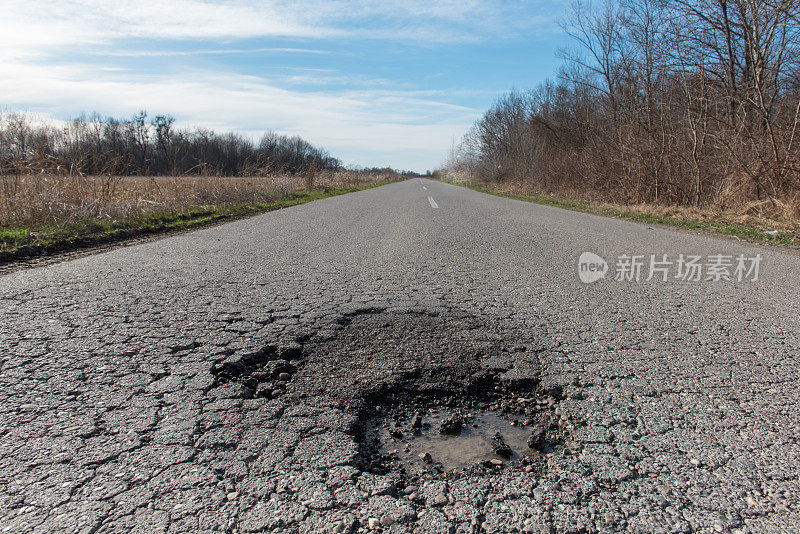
x=388, y=366
x=429, y=393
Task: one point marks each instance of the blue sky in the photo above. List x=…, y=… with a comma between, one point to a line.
x=375, y=83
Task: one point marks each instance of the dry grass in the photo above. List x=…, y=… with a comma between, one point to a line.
x=744, y=218
x=773, y=222
x=36, y=200
x=777, y=215
x=44, y=214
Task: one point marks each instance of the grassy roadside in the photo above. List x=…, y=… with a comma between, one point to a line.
x=751, y=232
x=18, y=243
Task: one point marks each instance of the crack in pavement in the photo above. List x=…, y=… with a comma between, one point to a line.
x=141, y=389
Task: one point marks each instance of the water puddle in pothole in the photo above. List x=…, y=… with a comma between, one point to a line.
x=452, y=441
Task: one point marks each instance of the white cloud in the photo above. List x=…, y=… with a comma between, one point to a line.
x=41, y=41
x=211, y=52
x=27, y=25
x=346, y=122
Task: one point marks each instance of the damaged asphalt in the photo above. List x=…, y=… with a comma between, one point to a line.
x=226, y=380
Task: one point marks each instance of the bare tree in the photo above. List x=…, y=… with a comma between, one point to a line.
x=693, y=102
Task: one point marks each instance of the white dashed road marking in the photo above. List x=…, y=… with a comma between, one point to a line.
x=434, y=205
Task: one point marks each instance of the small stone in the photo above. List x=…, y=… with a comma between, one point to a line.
x=388, y=520
x=396, y=434
x=417, y=422
x=233, y=495
x=426, y=457
x=284, y=377
x=537, y=439
x=451, y=425
x=440, y=500
x=373, y=523
x=499, y=446
x=695, y=462
x=497, y=463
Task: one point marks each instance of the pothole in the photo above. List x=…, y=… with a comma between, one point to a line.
x=451, y=441
x=432, y=393
x=423, y=434
x=408, y=374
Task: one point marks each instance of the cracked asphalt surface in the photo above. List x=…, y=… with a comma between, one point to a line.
x=206, y=382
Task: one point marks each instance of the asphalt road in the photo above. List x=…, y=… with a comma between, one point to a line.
x=220, y=380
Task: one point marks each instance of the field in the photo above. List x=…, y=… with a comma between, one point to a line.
x=44, y=213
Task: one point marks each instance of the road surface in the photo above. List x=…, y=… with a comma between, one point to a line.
x=223, y=380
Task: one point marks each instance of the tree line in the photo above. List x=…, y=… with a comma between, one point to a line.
x=94, y=145
x=680, y=102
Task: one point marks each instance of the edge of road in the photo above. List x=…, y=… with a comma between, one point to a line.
x=786, y=241
x=29, y=257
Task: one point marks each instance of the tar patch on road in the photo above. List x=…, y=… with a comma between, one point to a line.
x=389, y=407
x=406, y=374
